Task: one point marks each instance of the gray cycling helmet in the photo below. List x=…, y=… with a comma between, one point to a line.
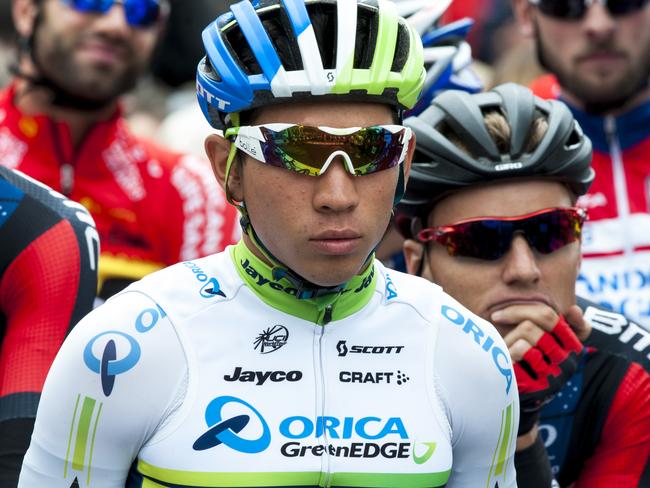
x=439, y=166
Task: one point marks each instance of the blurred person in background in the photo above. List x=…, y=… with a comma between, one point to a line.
x=490, y=213
x=599, y=54
x=449, y=64
x=61, y=122
x=48, y=277
x=7, y=34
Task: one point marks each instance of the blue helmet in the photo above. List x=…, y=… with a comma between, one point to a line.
x=270, y=51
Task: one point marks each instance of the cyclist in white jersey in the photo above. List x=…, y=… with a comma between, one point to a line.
x=293, y=358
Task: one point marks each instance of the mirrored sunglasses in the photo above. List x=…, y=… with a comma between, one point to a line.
x=139, y=13
x=310, y=150
x=489, y=238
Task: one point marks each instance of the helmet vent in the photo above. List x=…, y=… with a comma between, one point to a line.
x=573, y=140
x=323, y=19
x=367, y=29
x=209, y=70
x=243, y=53
x=401, y=48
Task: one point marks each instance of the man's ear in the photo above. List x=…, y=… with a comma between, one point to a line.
x=218, y=149
x=413, y=255
x=524, y=13
x=24, y=14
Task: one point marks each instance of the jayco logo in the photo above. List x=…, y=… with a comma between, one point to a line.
x=366, y=281
x=210, y=286
x=260, y=377
x=262, y=281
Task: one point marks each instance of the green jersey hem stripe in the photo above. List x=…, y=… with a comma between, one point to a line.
x=392, y=480
x=231, y=480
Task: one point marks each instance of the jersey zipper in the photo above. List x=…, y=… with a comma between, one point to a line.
x=620, y=184
x=325, y=465
x=66, y=167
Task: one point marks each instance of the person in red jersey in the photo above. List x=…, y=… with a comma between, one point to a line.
x=61, y=123
x=48, y=276
x=598, y=54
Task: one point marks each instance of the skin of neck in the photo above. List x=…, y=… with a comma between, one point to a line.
x=32, y=100
x=260, y=255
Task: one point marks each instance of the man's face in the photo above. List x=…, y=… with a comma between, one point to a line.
x=322, y=227
x=522, y=275
x=598, y=58
x=94, y=56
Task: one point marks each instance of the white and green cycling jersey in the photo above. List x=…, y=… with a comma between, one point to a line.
x=213, y=374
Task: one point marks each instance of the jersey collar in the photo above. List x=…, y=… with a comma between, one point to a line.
x=280, y=294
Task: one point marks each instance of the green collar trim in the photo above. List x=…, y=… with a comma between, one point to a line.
x=281, y=294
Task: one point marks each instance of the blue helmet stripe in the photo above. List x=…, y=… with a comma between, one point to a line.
x=297, y=12
x=220, y=57
x=258, y=39
x=460, y=28
x=231, y=74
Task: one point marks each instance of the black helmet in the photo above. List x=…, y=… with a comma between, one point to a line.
x=440, y=166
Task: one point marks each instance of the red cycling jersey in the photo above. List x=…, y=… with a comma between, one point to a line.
x=48, y=277
x=616, y=240
x=152, y=207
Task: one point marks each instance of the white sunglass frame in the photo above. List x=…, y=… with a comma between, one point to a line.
x=248, y=138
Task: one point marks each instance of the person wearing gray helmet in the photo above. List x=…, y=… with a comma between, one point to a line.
x=490, y=215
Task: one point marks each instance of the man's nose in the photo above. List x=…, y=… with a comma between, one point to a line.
x=336, y=188
x=520, y=263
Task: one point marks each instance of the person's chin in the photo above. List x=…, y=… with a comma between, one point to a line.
x=333, y=272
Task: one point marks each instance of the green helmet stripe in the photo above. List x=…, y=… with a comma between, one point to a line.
x=379, y=76
x=413, y=72
x=344, y=78
x=382, y=60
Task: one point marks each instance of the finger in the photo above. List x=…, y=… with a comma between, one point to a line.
x=540, y=367
x=568, y=340
x=552, y=349
x=540, y=313
x=519, y=349
x=576, y=320
x=527, y=331
x=535, y=368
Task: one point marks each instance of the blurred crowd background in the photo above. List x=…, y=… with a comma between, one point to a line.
x=163, y=107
